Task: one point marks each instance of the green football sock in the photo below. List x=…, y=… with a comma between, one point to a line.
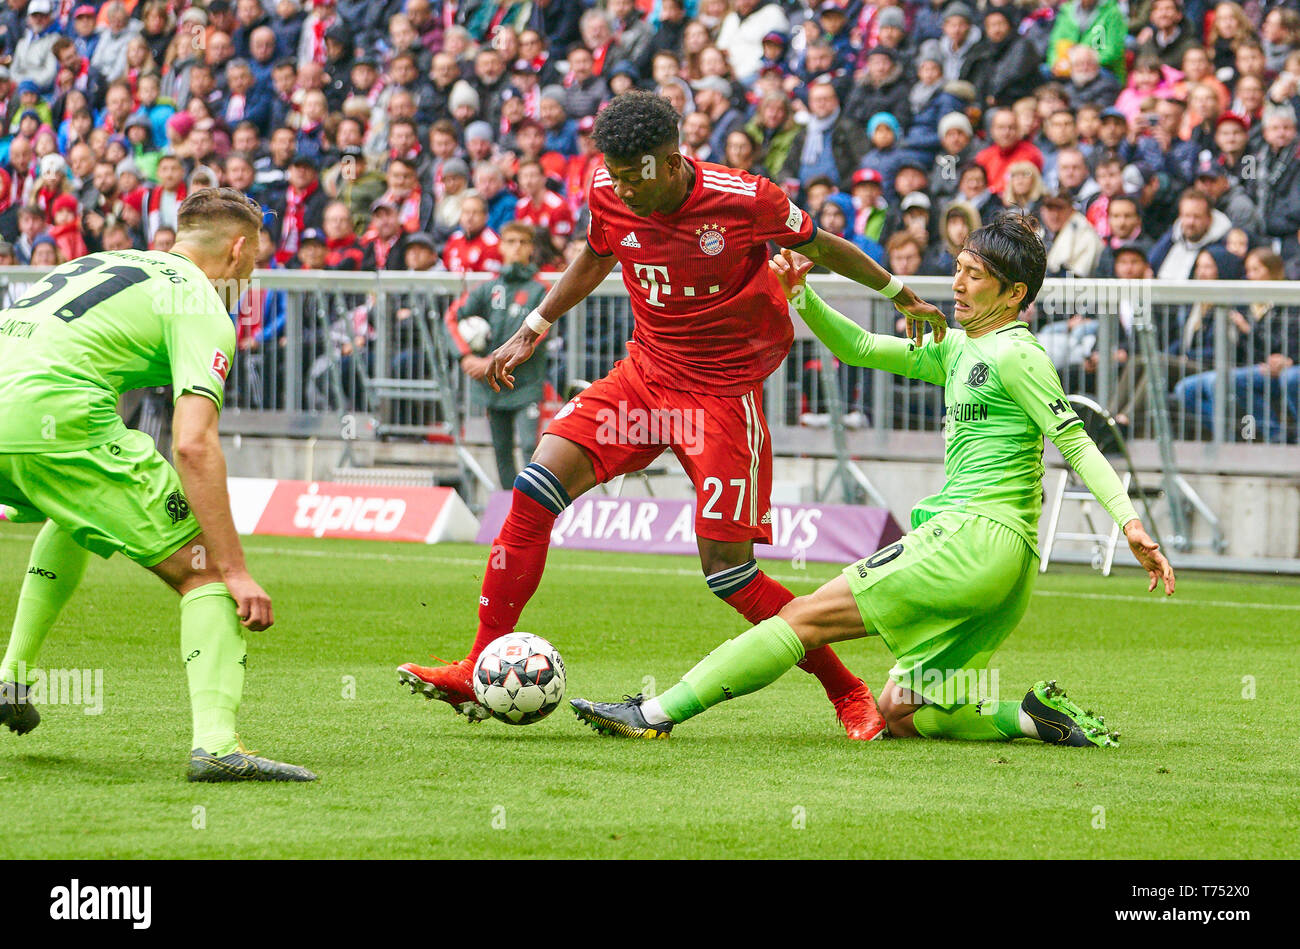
x=213, y=648
x=56, y=566
x=985, y=721
x=739, y=666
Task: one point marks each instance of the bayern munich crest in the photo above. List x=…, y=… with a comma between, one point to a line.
x=711, y=239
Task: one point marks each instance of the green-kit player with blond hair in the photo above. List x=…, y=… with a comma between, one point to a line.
x=950, y=591
x=83, y=334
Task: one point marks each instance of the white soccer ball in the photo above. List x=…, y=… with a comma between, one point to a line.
x=476, y=332
x=519, y=678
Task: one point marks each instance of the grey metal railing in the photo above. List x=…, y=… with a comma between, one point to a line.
x=322, y=350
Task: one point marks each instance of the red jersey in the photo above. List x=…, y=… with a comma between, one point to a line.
x=550, y=213
x=708, y=311
x=473, y=253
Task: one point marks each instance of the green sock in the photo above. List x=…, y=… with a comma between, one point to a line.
x=56, y=567
x=985, y=721
x=739, y=666
x=212, y=646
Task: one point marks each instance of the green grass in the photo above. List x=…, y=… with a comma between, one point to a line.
x=1201, y=772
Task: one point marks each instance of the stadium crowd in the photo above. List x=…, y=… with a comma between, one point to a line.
x=1149, y=138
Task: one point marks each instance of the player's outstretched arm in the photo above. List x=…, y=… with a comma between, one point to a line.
x=849, y=342
x=1034, y=385
x=842, y=257
x=202, y=468
x=582, y=276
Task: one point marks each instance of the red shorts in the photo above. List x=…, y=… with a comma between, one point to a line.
x=624, y=422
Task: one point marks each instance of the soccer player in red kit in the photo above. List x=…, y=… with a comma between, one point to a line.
x=711, y=324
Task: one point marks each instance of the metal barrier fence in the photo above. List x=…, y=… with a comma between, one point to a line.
x=317, y=348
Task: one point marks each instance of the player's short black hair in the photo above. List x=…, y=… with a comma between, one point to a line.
x=1011, y=250
x=635, y=124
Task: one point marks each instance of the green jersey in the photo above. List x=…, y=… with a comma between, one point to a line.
x=1002, y=395
x=97, y=326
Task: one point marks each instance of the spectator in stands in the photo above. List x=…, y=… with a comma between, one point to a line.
x=973, y=188
x=884, y=88
x=1089, y=83
x=1195, y=341
x=1125, y=232
x=384, y=242
x=1008, y=146
x=886, y=154
x=561, y=131
x=957, y=148
x=1024, y=188
x=414, y=206
x=960, y=50
x=1073, y=247
x=742, y=30
x=66, y=229
x=1073, y=178
x=1198, y=226
x=773, y=129
x=1013, y=63
x=165, y=199
x=1170, y=34
x=1094, y=24
x=164, y=240
x=584, y=89
x=1228, y=196
x=446, y=215
x=304, y=206
x=697, y=130
x=110, y=53
x=474, y=246
x=33, y=57
x=960, y=220
x=713, y=99
x=490, y=185
x=739, y=152
x=342, y=249
x=929, y=100
x=1277, y=178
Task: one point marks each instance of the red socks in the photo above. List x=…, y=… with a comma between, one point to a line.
x=515, y=563
x=756, y=596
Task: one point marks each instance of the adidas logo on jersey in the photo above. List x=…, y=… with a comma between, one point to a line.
x=631, y=241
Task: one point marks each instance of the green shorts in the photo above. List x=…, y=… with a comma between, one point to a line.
x=943, y=598
x=118, y=497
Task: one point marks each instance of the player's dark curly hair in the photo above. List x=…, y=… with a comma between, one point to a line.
x=635, y=124
x=1011, y=249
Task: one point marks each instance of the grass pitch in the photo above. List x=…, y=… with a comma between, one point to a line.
x=1203, y=689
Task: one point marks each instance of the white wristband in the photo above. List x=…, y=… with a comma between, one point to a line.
x=535, y=322
x=893, y=288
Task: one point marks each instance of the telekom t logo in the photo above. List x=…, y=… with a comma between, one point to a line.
x=653, y=278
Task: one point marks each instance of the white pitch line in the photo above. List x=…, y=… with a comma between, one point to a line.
x=682, y=572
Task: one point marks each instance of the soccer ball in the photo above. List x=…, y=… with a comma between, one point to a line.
x=519, y=678
x=476, y=332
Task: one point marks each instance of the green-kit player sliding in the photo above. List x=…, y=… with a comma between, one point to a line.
x=945, y=597
x=84, y=333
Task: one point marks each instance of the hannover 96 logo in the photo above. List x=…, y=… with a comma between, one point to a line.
x=979, y=374
x=177, y=507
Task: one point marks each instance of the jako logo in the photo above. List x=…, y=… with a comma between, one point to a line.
x=320, y=513
x=103, y=902
x=40, y=572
